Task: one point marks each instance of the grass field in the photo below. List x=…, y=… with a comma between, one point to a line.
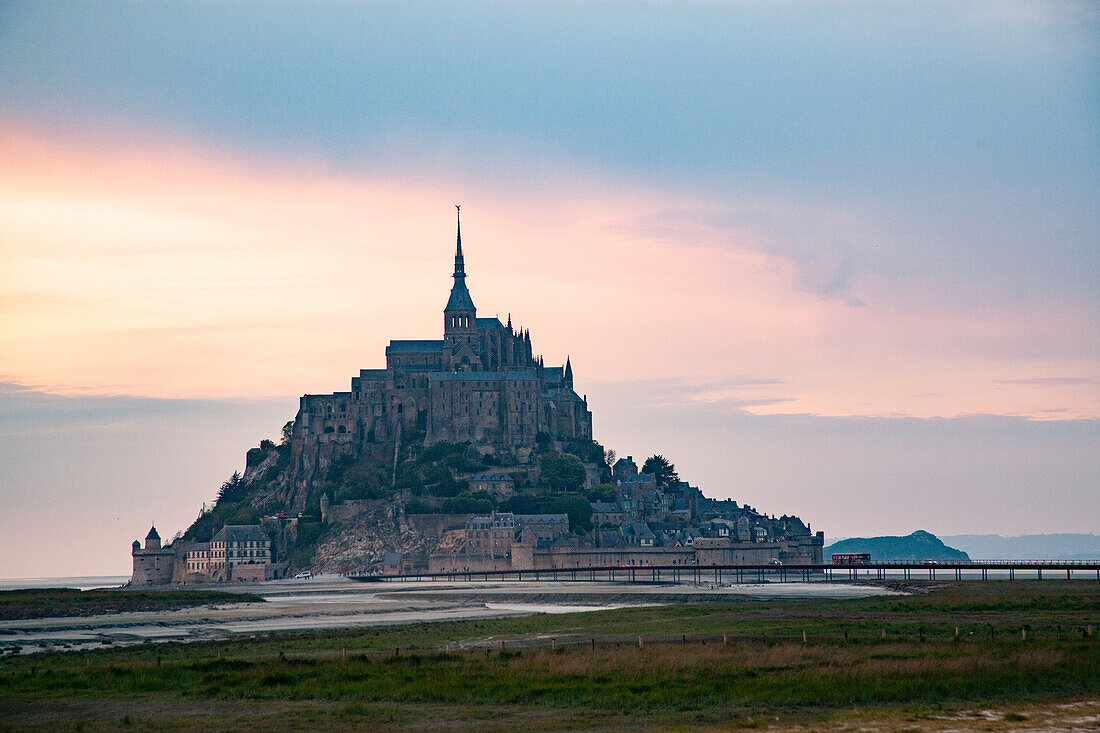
x=57, y=602
x=1024, y=653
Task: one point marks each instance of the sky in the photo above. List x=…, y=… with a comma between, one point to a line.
x=840, y=260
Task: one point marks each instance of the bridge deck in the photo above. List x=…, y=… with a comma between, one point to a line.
x=986, y=570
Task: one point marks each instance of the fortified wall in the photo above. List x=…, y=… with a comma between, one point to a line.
x=525, y=556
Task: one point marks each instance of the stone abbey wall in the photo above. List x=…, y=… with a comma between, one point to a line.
x=480, y=383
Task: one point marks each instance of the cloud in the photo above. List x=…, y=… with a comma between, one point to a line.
x=1050, y=381
x=33, y=410
x=290, y=276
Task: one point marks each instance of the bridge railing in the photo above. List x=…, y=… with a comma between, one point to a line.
x=756, y=573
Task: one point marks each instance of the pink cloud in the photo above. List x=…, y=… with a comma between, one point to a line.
x=170, y=271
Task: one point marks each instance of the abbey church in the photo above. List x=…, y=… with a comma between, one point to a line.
x=481, y=383
x=353, y=469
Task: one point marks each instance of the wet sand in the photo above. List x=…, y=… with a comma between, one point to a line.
x=334, y=602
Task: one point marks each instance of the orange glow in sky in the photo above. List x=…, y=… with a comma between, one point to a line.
x=177, y=272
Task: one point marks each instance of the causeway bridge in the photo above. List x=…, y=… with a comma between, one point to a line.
x=718, y=574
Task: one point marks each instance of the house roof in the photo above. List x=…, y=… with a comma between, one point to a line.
x=640, y=529
x=241, y=533
x=492, y=477
x=542, y=518
x=152, y=534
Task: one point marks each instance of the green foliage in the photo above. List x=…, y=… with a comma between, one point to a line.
x=283, y=461
x=246, y=514
x=288, y=432
x=309, y=535
x=420, y=506
x=562, y=472
x=461, y=464
x=441, y=481
x=589, y=451
x=438, y=451
x=576, y=506
x=267, y=445
x=687, y=676
x=662, y=470
x=408, y=475
x=364, y=478
x=233, y=490
x=602, y=492
x=468, y=503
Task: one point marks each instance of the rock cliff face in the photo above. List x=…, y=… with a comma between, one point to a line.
x=359, y=541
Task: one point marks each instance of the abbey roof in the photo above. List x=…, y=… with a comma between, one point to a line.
x=416, y=346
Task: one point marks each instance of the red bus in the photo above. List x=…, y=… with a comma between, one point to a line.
x=851, y=558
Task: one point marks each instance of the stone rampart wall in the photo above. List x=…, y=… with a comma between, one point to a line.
x=434, y=525
x=462, y=563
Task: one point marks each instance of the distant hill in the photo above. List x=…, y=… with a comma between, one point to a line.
x=1028, y=547
x=916, y=547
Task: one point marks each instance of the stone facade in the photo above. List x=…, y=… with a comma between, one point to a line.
x=481, y=383
x=154, y=564
x=240, y=552
x=498, y=485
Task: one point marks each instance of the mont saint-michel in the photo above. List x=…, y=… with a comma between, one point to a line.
x=467, y=452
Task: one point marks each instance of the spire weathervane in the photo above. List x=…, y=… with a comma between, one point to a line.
x=460, y=265
x=458, y=219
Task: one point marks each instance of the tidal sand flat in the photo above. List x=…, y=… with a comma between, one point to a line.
x=968, y=656
x=334, y=602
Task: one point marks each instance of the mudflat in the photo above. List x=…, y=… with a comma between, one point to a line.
x=994, y=655
x=335, y=602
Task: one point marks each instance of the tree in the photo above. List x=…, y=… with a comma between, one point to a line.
x=662, y=470
x=577, y=507
x=609, y=458
x=288, y=432
x=232, y=490
x=602, y=492
x=562, y=472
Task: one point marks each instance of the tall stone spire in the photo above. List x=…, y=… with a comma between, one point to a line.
x=568, y=373
x=460, y=265
x=460, y=311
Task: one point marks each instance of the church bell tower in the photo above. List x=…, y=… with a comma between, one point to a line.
x=460, y=315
